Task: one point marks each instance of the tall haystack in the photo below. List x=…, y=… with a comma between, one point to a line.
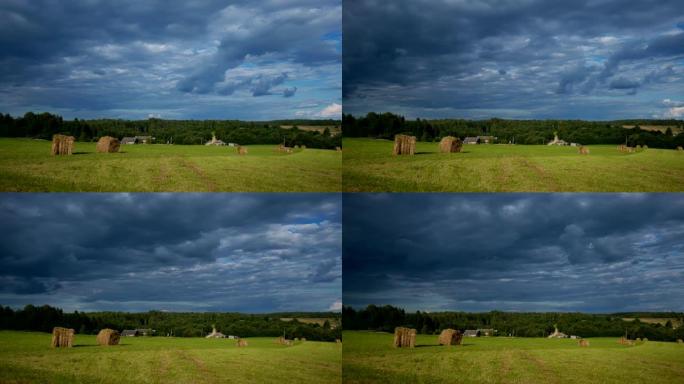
x=583, y=343
x=450, y=337
x=242, y=343
x=241, y=150
x=62, y=337
x=108, y=144
x=450, y=144
x=62, y=145
x=404, y=145
x=108, y=337
x=583, y=150
x=404, y=337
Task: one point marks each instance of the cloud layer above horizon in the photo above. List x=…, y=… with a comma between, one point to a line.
x=584, y=59
x=178, y=252
x=171, y=59
x=515, y=252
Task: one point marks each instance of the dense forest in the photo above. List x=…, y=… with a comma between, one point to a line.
x=187, y=324
x=530, y=324
x=44, y=125
x=386, y=125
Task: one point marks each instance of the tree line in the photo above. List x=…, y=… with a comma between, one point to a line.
x=521, y=324
x=386, y=125
x=180, y=324
x=44, y=125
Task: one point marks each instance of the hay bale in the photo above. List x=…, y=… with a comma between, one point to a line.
x=296, y=339
x=645, y=147
x=450, y=144
x=303, y=339
x=303, y=146
x=583, y=343
x=680, y=149
x=638, y=147
x=242, y=343
x=108, y=144
x=283, y=341
x=339, y=149
x=108, y=337
x=450, y=337
x=625, y=341
x=638, y=339
x=404, y=145
x=404, y=337
x=296, y=147
x=338, y=341
x=645, y=339
x=62, y=145
x=680, y=341
x=583, y=150
x=62, y=337
x=241, y=150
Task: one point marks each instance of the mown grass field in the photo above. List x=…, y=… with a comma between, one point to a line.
x=26, y=357
x=370, y=358
x=369, y=166
x=27, y=166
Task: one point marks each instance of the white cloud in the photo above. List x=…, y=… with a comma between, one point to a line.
x=336, y=306
x=333, y=110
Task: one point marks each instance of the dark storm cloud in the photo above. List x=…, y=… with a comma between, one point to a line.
x=180, y=59
x=522, y=252
x=243, y=252
x=579, y=59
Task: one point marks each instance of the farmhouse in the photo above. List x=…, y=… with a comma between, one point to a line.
x=479, y=140
x=557, y=141
x=487, y=332
x=471, y=333
x=137, y=140
x=215, y=334
x=129, y=332
x=557, y=335
x=138, y=332
x=215, y=141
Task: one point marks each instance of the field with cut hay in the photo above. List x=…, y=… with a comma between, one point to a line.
x=27, y=166
x=369, y=357
x=369, y=166
x=26, y=357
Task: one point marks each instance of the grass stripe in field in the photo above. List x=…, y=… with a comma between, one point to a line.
x=27, y=166
x=369, y=166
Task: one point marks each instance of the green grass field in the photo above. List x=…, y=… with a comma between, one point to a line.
x=369, y=166
x=27, y=166
x=370, y=358
x=26, y=357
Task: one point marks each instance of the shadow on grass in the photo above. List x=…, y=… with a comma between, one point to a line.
x=95, y=345
x=442, y=346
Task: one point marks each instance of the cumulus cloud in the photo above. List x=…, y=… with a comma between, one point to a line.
x=333, y=110
x=207, y=59
x=534, y=59
x=522, y=252
x=228, y=252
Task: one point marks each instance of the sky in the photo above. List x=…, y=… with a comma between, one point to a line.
x=518, y=59
x=201, y=252
x=598, y=253
x=213, y=59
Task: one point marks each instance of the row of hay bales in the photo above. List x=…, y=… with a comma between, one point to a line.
x=64, y=145
x=64, y=337
x=406, y=145
x=406, y=337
